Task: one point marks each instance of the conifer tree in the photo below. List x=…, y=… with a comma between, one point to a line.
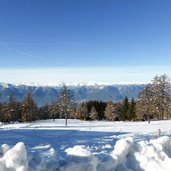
x=29, y=108
x=82, y=112
x=65, y=102
x=1, y=113
x=44, y=112
x=132, y=110
x=109, y=111
x=93, y=114
x=100, y=107
x=118, y=111
x=54, y=110
x=10, y=109
x=125, y=109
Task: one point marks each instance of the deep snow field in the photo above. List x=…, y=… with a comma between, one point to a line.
x=85, y=146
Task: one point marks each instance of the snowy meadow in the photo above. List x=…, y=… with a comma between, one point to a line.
x=85, y=85
x=85, y=145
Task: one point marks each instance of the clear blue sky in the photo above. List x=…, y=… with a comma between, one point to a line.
x=85, y=33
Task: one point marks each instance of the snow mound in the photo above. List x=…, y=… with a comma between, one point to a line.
x=14, y=159
x=127, y=154
x=78, y=151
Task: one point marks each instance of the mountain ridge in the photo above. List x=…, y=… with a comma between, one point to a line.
x=47, y=94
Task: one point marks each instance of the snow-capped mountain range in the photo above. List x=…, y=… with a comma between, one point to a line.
x=45, y=94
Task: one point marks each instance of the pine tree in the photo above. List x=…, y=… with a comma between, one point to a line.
x=44, y=112
x=65, y=102
x=54, y=110
x=93, y=114
x=117, y=111
x=132, y=110
x=82, y=112
x=109, y=111
x=1, y=113
x=29, y=108
x=10, y=109
x=125, y=109
x=100, y=107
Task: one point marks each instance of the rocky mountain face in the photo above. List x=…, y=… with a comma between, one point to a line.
x=46, y=94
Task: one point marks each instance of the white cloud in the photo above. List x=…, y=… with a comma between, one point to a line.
x=78, y=75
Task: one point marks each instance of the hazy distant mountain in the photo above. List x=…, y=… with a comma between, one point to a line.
x=46, y=94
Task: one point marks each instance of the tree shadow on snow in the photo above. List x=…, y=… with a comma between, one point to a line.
x=59, y=138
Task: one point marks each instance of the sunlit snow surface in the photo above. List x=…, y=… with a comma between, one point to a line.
x=85, y=146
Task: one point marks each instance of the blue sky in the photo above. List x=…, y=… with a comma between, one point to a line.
x=86, y=35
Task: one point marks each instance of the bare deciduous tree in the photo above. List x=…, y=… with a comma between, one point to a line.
x=65, y=102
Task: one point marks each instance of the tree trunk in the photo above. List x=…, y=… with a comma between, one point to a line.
x=148, y=119
x=66, y=123
x=148, y=116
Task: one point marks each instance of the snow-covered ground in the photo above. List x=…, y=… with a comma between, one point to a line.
x=85, y=146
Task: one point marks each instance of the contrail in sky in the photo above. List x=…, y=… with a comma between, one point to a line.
x=24, y=53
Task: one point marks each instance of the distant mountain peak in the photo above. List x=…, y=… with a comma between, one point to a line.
x=45, y=94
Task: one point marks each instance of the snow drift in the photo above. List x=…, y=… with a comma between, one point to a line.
x=14, y=159
x=127, y=155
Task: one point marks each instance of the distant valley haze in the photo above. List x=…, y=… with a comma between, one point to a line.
x=86, y=75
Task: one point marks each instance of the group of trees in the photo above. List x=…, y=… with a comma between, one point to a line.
x=91, y=110
x=98, y=110
x=153, y=102
x=13, y=111
x=27, y=110
x=121, y=111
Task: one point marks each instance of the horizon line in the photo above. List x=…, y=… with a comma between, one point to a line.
x=109, y=75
